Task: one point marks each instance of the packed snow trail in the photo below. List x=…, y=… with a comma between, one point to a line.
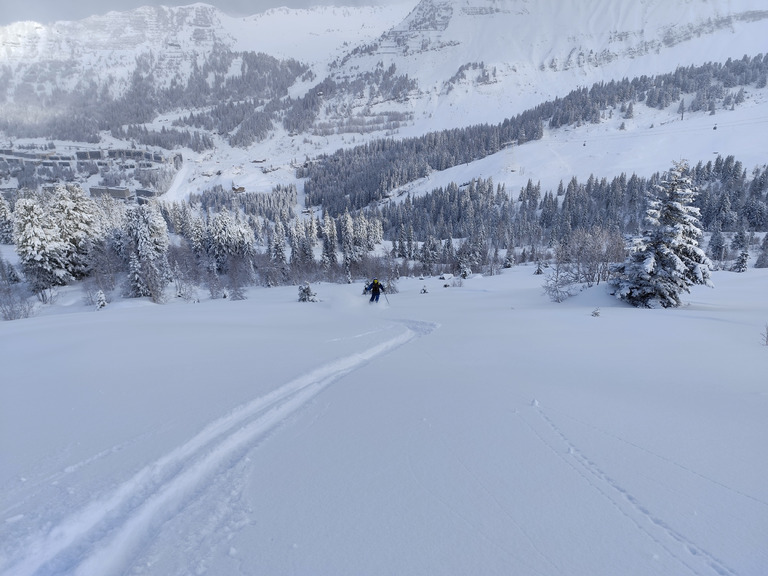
x=105, y=535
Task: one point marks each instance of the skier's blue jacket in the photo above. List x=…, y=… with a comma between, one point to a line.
x=375, y=287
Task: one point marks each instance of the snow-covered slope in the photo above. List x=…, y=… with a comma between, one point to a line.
x=479, y=429
x=533, y=51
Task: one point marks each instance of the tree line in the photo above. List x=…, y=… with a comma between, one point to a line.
x=222, y=242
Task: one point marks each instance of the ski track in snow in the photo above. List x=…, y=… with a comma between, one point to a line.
x=103, y=537
x=648, y=523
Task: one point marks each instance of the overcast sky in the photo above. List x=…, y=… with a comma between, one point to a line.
x=47, y=11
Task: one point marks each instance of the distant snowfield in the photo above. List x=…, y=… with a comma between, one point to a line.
x=471, y=429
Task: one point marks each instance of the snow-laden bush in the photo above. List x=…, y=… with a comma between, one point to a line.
x=306, y=294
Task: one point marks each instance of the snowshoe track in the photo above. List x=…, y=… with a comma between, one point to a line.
x=697, y=561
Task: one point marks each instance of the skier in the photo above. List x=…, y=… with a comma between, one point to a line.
x=375, y=289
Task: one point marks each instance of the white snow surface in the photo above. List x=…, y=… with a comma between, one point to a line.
x=474, y=429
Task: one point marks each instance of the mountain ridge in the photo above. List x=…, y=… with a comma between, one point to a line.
x=516, y=37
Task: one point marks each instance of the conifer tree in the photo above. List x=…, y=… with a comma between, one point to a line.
x=278, y=244
x=741, y=261
x=147, y=252
x=401, y=248
x=329, y=258
x=717, y=248
x=310, y=231
x=6, y=222
x=74, y=213
x=762, y=258
x=666, y=260
x=297, y=239
x=429, y=253
x=14, y=303
x=197, y=233
x=449, y=254
x=39, y=246
x=348, y=250
x=219, y=239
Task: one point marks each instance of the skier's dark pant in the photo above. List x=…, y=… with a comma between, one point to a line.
x=374, y=296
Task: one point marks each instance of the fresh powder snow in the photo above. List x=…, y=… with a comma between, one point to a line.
x=476, y=427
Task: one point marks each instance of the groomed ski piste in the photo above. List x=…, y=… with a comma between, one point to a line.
x=476, y=427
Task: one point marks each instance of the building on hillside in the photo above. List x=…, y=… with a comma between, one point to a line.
x=116, y=192
x=88, y=155
x=143, y=195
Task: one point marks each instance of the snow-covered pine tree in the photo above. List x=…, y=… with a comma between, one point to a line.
x=361, y=235
x=39, y=246
x=329, y=258
x=101, y=300
x=509, y=258
x=6, y=222
x=375, y=232
x=717, y=249
x=228, y=238
x=429, y=253
x=348, y=248
x=410, y=242
x=741, y=262
x=197, y=233
x=75, y=216
x=449, y=254
x=401, y=248
x=762, y=258
x=296, y=236
x=740, y=241
x=147, y=252
x=310, y=230
x=666, y=260
x=278, y=244
x=231, y=245
x=14, y=303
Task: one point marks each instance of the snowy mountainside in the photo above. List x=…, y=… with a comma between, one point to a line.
x=483, y=59
x=500, y=56
x=454, y=63
x=100, y=47
x=67, y=53
x=315, y=35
